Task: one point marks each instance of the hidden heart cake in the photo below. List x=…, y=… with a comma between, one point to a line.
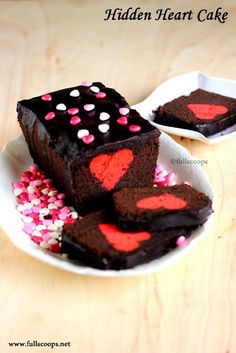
x=156, y=208
x=96, y=241
x=202, y=111
x=90, y=142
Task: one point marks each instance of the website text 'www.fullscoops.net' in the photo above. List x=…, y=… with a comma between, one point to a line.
x=37, y=344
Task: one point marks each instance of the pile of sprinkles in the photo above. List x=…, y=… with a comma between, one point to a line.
x=83, y=134
x=44, y=211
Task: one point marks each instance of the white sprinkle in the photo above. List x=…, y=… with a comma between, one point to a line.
x=52, y=241
x=44, y=211
x=27, y=219
x=89, y=107
x=104, y=116
x=28, y=206
x=45, y=191
x=73, y=214
x=31, y=189
x=53, y=193
x=55, y=234
x=40, y=227
x=44, y=245
x=20, y=208
x=52, y=206
x=61, y=106
x=94, y=89
x=52, y=227
x=103, y=128
x=74, y=93
x=37, y=233
x=36, y=202
x=81, y=133
x=59, y=222
x=17, y=191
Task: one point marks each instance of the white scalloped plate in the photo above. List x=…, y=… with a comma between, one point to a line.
x=184, y=85
x=15, y=158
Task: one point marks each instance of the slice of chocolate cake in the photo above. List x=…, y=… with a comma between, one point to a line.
x=90, y=142
x=155, y=208
x=96, y=241
x=202, y=111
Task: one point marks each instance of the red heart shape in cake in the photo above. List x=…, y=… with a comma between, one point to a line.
x=122, y=241
x=207, y=111
x=109, y=169
x=167, y=201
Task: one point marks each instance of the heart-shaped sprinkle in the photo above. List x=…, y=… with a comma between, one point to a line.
x=94, y=89
x=123, y=241
x=61, y=106
x=134, y=128
x=86, y=83
x=124, y=111
x=82, y=132
x=103, y=128
x=50, y=116
x=89, y=107
x=75, y=120
x=101, y=95
x=104, y=116
x=75, y=93
x=167, y=201
x=207, y=111
x=46, y=97
x=181, y=241
x=88, y=139
x=73, y=111
x=109, y=169
x=122, y=120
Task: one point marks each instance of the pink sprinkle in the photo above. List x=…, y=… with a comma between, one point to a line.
x=16, y=185
x=52, y=199
x=65, y=209
x=89, y=107
x=62, y=216
x=61, y=196
x=73, y=111
x=50, y=116
x=32, y=197
x=36, y=239
x=122, y=120
x=33, y=168
x=88, y=139
x=26, y=212
x=124, y=111
x=134, y=128
x=36, y=208
x=86, y=83
x=46, y=97
x=101, y=95
x=36, y=182
x=75, y=120
x=47, y=222
x=29, y=228
x=59, y=203
x=181, y=241
x=54, y=211
x=170, y=177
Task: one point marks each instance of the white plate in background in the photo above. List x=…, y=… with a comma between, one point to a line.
x=184, y=85
x=15, y=158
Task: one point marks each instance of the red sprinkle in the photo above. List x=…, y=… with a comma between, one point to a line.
x=75, y=120
x=88, y=139
x=50, y=116
x=134, y=128
x=122, y=120
x=101, y=95
x=46, y=97
x=73, y=111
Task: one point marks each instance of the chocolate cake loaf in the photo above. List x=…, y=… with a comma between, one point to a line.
x=95, y=241
x=202, y=111
x=156, y=208
x=90, y=142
